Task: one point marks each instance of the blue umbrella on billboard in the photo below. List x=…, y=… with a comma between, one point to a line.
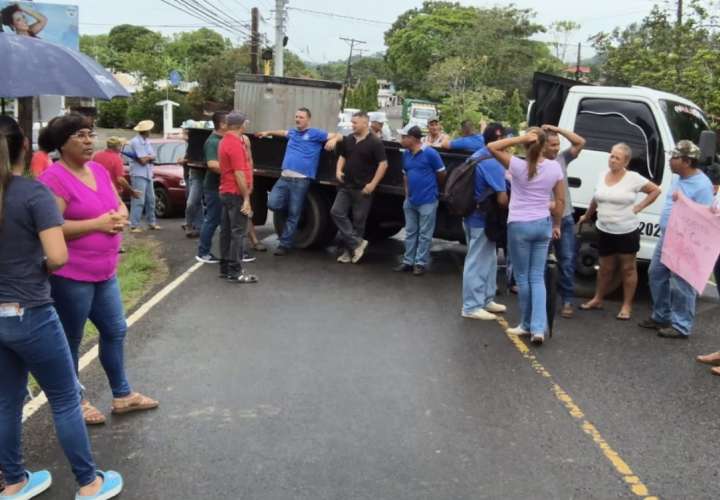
x=35, y=67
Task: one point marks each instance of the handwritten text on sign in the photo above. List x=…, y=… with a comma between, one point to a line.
x=692, y=242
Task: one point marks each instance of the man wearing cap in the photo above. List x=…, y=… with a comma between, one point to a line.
x=142, y=155
x=674, y=298
x=111, y=159
x=377, y=126
x=469, y=140
x=361, y=165
x=480, y=269
x=424, y=173
x=299, y=168
x=435, y=136
x=236, y=180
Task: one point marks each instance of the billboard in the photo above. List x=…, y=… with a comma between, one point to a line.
x=52, y=22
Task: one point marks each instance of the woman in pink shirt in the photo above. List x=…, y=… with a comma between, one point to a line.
x=535, y=181
x=87, y=287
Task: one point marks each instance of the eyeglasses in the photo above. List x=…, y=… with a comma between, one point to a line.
x=84, y=135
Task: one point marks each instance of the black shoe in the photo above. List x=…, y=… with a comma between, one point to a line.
x=403, y=268
x=248, y=258
x=281, y=251
x=418, y=270
x=651, y=324
x=669, y=332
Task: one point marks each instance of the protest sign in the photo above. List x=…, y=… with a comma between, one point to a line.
x=692, y=242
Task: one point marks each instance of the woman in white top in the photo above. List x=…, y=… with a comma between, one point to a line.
x=618, y=226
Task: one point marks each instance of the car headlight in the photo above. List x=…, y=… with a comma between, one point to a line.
x=182, y=183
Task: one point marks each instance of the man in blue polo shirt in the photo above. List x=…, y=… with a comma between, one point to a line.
x=480, y=269
x=299, y=168
x=469, y=141
x=424, y=174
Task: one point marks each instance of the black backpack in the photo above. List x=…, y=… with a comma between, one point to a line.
x=495, y=218
x=459, y=190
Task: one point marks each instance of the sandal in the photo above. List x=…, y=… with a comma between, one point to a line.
x=135, y=402
x=588, y=307
x=243, y=278
x=91, y=415
x=623, y=316
x=259, y=247
x=715, y=370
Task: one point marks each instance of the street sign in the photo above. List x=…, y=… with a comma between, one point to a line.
x=175, y=78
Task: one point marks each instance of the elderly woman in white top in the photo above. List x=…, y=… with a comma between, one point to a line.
x=615, y=202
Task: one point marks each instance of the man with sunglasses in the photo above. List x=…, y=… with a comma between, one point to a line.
x=674, y=298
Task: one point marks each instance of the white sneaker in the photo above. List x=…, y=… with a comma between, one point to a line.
x=345, y=258
x=359, y=252
x=479, y=314
x=494, y=307
x=537, y=339
x=519, y=331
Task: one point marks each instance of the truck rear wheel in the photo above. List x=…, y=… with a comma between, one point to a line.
x=315, y=227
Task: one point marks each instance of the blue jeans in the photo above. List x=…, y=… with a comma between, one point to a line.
x=419, y=230
x=529, y=243
x=288, y=196
x=145, y=202
x=479, y=271
x=565, y=250
x=194, y=203
x=673, y=297
x=78, y=301
x=213, y=212
x=35, y=342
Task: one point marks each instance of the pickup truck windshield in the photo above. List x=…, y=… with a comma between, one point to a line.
x=686, y=122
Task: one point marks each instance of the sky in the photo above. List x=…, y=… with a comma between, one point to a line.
x=315, y=36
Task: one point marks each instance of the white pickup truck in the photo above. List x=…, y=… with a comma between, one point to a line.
x=649, y=121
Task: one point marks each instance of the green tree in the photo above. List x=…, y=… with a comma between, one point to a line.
x=98, y=47
x=126, y=38
x=364, y=96
x=114, y=113
x=143, y=106
x=190, y=49
x=216, y=77
x=659, y=53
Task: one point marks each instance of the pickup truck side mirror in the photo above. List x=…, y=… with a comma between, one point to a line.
x=708, y=147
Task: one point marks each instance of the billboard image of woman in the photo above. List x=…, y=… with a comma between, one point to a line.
x=16, y=17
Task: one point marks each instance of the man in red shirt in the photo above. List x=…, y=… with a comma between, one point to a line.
x=236, y=178
x=112, y=161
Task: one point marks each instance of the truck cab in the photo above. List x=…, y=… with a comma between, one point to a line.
x=649, y=121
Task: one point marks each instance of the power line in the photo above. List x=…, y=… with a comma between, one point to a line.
x=197, y=16
x=340, y=16
x=192, y=9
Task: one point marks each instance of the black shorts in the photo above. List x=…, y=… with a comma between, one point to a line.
x=613, y=244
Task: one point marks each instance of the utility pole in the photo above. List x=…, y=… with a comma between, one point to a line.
x=352, y=41
x=279, y=36
x=254, y=41
x=579, y=60
x=679, y=12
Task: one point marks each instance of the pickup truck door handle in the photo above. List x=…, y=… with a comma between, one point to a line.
x=574, y=182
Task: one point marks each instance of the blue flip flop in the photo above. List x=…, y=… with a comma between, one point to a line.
x=112, y=486
x=37, y=482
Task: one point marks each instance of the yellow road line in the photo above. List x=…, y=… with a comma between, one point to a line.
x=633, y=482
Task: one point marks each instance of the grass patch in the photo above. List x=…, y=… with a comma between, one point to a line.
x=140, y=269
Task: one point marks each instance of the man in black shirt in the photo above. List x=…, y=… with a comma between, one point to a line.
x=360, y=168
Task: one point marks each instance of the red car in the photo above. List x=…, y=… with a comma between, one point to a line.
x=167, y=177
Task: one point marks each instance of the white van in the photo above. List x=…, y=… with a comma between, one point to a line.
x=649, y=121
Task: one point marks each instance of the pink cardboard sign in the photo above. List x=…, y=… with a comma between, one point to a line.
x=692, y=242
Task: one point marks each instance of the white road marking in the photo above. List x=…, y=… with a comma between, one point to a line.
x=89, y=357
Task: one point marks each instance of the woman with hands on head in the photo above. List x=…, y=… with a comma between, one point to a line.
x=535, y=181
x=615, y=202
x=87, y=287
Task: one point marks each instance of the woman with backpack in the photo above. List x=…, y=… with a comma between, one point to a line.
x=535, y=182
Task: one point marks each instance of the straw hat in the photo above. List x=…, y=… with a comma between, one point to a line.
x=144, y=126
x=116, y=142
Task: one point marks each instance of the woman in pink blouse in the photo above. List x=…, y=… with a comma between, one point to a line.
x=87, y=288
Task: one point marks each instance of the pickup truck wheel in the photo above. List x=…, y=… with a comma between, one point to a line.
x=314, y=226
x=586, y=274
x=376, y=231
x=163, y=206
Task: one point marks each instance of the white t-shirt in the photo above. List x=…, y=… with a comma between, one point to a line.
x=615, y=203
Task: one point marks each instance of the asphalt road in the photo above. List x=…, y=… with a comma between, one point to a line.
x=330, y=381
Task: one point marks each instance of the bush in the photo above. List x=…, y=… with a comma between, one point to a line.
x=113, y=114
x=143, y=106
